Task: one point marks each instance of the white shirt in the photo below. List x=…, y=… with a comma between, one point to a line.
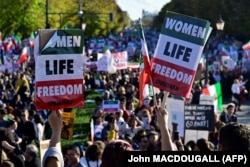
x=98, y=131
x=83, y=161
x=40, y=131
x=236, y=87
x=122, y=125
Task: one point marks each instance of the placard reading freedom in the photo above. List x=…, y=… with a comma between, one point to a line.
x=177, y=53
x=59, y=69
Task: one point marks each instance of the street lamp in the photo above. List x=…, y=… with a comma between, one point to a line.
x=47, y=26
x=80, y=13
x=220, y=24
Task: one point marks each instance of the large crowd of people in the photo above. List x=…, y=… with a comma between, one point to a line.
x=132, y=128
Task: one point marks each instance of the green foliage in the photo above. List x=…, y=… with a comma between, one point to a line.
x=23, y=17
x=82, y=120
x=19, y=16
x=81, y=124
x=235, y=14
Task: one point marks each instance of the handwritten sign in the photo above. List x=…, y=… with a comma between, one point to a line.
x=199, y=117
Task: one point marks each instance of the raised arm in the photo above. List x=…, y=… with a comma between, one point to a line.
x=53, y=156
x=162, y=120
x=55, y=121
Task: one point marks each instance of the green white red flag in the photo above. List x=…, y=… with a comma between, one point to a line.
x=24, y=56
x=145, y=73
x=215, y=91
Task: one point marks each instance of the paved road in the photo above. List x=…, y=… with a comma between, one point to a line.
x=243, y=116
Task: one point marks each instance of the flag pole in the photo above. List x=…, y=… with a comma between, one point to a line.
x=154, y=96
x=146, y=50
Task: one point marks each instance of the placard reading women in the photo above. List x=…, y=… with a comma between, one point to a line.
x=59, y=69
x=177, y=53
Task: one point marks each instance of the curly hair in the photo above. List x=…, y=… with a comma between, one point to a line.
x=234, y=137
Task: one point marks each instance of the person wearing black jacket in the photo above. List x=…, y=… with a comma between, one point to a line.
x=26, y=130
x=196, y=95
x=10, y=148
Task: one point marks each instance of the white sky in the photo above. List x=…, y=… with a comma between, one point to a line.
x=135, y=7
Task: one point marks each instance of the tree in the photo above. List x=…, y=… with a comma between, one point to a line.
x=23, y=17
x=20, y=16
x=235, y=14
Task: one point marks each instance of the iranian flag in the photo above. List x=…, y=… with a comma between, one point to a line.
x=246, y=46
x=24, y=56
x=145, y=68
x=215, y=91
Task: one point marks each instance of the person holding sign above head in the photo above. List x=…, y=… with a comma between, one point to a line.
x=229, y=115
x=166, y=138
x=53, y=156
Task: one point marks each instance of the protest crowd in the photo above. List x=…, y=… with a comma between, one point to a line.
x=135, y=126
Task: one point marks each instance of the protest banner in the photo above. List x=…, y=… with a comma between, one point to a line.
x=198, y=121
x=102, y=62
x=59, y=69
x=208, y=100
x=120, y=60
x=199, y=117
x=178, y=52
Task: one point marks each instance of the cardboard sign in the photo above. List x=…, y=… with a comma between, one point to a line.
x=120, y=60
x=59, y=69
x=175, y=108
x=111, y=106
x=103, y=62
x=209, y=100
x=194, y=135
x=68, y=125
x=199, y=117
x=178, y=52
